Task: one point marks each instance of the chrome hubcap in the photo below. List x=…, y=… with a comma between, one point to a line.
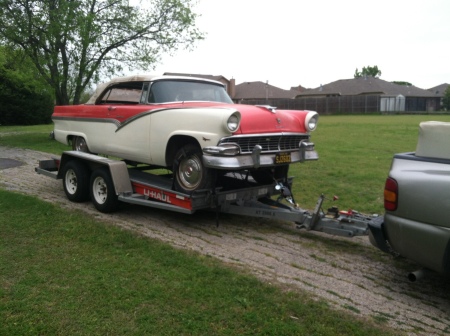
x=190, y=172
x=81, y=145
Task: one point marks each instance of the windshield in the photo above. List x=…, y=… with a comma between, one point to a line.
x=165, y=91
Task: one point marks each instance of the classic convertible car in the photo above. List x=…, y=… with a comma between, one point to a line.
x=188, y=125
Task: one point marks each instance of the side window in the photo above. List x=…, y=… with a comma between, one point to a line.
x=159, y=93
x=144, y=93
x=123, y=93
x=152, y=95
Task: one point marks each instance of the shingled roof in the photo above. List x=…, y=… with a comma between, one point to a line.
x=366, y=86
x=439, y=90
x=261, y=90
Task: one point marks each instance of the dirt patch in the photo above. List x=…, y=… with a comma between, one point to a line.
x=349, y=274
x=6, y=163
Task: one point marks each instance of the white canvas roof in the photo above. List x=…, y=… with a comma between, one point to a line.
x=138, y=78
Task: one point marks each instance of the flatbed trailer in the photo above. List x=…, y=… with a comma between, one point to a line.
x=107, y=182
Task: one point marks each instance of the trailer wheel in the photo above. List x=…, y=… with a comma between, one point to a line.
x=79, y=144
x=76, y=181
x=189, y=172
x=270, y=175
x=103, y=193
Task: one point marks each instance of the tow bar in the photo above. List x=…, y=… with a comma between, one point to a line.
x=341, y=223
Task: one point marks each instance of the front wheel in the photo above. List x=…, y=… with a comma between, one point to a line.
x=189, y=172
x=103, y=193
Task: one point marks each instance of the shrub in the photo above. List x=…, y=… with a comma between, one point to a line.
x=446, y=99
x=24, y=97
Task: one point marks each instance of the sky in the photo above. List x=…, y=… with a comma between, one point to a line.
x=309, y=43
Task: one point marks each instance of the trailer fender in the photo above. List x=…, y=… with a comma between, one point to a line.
x=117, y=169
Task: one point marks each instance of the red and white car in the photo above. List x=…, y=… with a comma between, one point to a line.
x=188, y=125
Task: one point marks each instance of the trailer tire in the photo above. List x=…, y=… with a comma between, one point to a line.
x=76, y=181
x=103, y=193
x=189, y=172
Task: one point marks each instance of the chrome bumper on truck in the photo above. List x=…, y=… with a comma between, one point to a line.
x=222, y=157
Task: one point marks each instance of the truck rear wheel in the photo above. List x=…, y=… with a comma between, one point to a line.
x=103, y=193
x=76, y=181
x=189, y=172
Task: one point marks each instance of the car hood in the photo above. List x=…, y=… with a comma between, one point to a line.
x=263, y=119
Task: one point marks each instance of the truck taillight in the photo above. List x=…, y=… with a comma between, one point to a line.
x=390, y=194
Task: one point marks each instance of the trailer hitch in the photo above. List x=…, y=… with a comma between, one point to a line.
x=342, y=223
x=285, y=193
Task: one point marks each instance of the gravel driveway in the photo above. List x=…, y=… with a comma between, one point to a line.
x=348, y=273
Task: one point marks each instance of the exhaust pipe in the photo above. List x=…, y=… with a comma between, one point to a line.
x=417, y=275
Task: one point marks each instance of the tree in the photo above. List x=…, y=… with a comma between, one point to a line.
x=74, y=42
x=368, y=71
x=402, y=83
x=25, y=99
x=446, y=99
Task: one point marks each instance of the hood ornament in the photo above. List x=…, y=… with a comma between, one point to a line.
x=272, y=109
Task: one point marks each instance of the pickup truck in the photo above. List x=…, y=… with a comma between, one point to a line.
x=417, y=202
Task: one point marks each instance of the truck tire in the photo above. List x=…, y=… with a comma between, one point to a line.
x=270, y=175
x=76, y=181
x=79, y=144
x=103, y=193
x=189, y=172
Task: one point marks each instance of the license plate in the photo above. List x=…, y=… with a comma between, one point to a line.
x=283, y=158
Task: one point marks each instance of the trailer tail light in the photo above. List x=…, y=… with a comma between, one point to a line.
x=391, y=194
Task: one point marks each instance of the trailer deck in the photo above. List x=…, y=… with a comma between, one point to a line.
x=237, y=195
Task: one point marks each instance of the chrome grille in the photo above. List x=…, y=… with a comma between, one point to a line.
x=269, y=143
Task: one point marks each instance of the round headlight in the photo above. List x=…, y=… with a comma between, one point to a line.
x=233, y=122
x=311, y=121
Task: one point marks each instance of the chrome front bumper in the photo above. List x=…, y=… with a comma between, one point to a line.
x=256, y=159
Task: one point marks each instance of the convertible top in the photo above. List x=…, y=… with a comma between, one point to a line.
x=140, y=78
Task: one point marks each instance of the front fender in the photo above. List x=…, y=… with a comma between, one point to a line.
x=205, y=125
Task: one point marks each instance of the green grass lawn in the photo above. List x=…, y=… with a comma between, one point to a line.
x=31, y=137
x=355, y=154
x=63, y=273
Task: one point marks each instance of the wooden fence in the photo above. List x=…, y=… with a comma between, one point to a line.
x=346, y=104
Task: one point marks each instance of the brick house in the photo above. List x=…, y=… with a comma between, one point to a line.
x=261, y=91
x=388, y=96
x=439, y=91
x=355, y=95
